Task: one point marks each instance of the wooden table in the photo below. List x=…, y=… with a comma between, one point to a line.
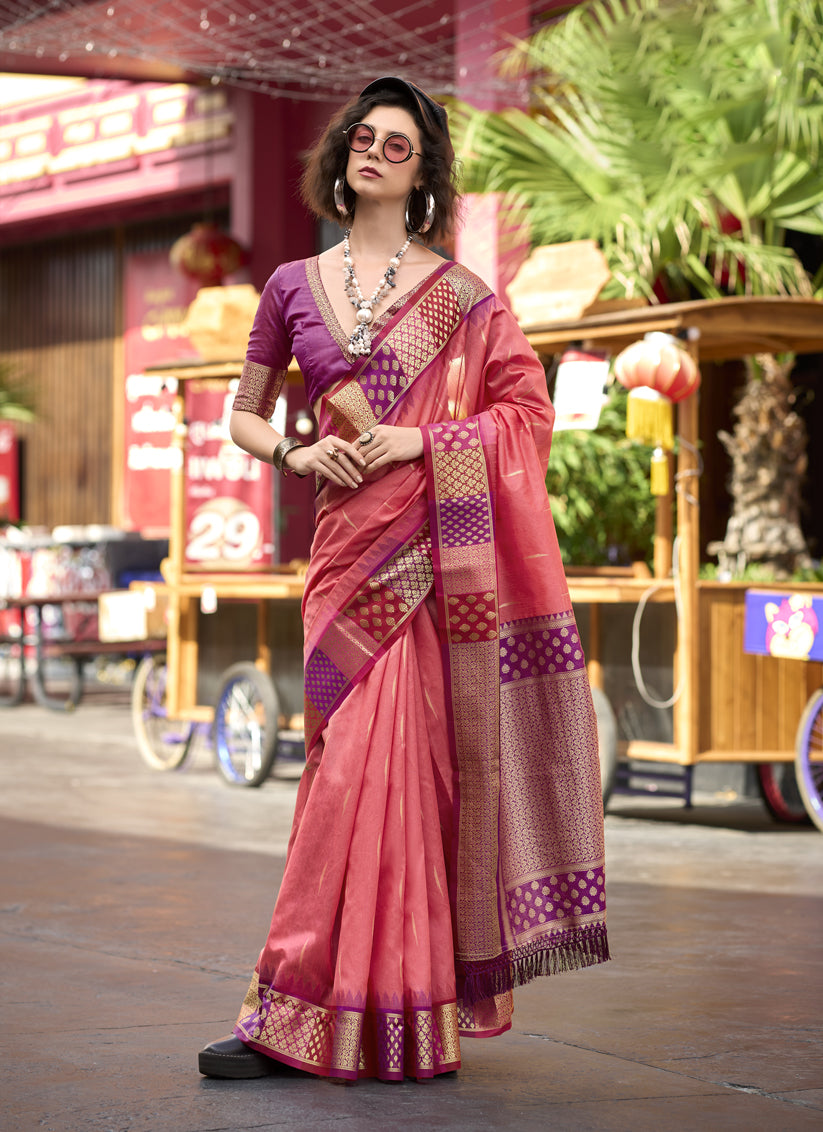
x=45, y=648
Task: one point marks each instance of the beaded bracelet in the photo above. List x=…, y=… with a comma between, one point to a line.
x=285, y=446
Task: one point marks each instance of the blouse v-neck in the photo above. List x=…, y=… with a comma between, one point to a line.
x=327, y=312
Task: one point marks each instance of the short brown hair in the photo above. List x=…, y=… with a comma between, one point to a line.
x=328, y=160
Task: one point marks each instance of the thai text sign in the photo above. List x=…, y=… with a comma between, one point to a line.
x=156, y=300
x=9, y=483
x=229, y=507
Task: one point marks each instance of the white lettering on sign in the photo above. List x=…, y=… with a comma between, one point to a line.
x=149, y=419
x=143, y=457
x=229, y=465
x=143, y=385
x=223, y=530
x=202, y=431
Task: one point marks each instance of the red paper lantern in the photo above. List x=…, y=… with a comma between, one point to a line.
x=207, y=254
x=658, y=372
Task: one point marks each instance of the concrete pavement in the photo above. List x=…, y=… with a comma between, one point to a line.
x=133, y=904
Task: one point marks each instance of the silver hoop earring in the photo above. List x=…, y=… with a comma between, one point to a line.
x=428, y=219
x=340, y=199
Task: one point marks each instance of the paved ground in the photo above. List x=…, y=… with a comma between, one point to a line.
x=133, y=903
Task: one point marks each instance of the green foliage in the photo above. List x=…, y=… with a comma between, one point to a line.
x=760, y=573
x=598, y=482
x=654, y=122
x=16, y=402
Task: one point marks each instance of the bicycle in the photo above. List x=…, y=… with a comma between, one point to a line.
x=244, y=734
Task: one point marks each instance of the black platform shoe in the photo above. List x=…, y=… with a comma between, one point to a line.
x=232, y=1059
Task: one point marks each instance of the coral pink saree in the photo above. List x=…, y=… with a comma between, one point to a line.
x=448, y=838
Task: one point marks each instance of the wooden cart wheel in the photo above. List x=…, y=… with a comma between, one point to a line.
x=778, y=788
x=809, y=757
x=606, y=741
x=163, y=742
x=245, y=725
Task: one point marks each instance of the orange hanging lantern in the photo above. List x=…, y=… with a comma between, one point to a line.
x=207, y=254
x=658, y=373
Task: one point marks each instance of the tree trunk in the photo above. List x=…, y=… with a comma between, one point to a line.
x=768, y=452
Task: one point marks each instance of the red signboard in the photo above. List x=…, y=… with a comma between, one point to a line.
x=229, y=505
x=156, y=299
x=9, y=471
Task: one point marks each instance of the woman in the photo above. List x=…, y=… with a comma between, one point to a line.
x=448, y=836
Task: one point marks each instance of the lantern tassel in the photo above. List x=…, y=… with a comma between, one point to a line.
x=660, y=473
x=649, y=418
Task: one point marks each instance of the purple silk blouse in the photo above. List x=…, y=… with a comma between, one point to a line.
x=295, y=318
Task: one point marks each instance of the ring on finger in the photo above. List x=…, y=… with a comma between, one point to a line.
x=366, y=438
x=334, y=454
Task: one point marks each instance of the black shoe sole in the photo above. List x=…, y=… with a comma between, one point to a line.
x=235, y=1067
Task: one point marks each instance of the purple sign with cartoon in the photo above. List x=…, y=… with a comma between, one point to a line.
x=784, y=625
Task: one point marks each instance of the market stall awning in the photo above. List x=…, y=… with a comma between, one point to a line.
x=723, y=328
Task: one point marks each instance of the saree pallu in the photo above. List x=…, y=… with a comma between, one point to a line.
x=448, y=836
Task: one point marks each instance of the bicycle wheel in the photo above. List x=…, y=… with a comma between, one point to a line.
x=70, y=673
x=606, y=741
x=809, y=757
x=12, y=674
x=163, y=743
x=245, y=725
x=779, y=791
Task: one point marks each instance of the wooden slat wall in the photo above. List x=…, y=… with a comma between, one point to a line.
x=60, y=321
x=747, y=703
x=57, y=322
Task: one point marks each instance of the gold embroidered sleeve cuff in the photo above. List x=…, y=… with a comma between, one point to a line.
x=259, y=389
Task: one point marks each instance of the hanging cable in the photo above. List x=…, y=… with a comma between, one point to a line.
x=681, y=480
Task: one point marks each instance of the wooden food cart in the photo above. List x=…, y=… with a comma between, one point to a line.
x=242, y=711
x=732, y=706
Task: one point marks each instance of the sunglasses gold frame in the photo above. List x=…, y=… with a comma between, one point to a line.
x=375, y=138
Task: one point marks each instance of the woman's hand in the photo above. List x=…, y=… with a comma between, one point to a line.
x=336, y=459
x=388, y=444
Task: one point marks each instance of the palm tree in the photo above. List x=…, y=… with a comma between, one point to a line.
x=685, y=136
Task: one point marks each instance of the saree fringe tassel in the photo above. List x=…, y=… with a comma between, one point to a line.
x=569, y=951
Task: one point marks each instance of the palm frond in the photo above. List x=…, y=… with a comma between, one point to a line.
x=651, y=118
x=16, y=400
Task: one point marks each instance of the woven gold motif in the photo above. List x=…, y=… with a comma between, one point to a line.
x=289, y=1026
x=390, y=1035
x=346, y=1048
x=419, y=1041
x=468, y=288
x=460, y=473
x=414, y=344
x=472, y=617
x=410, y=573
x=423, y=1022
x=350, y=412
x=468, y=566
x=549, y=765
x=324, y=306
x=489, y=1014
x=476, y=725
x=445, y=1019
x=258, y=389
x=395, y=591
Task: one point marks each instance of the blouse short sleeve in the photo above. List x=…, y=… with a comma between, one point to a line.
x=267, y=357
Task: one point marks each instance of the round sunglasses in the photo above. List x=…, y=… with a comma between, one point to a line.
x=397, y=148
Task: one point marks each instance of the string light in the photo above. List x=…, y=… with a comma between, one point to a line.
x=296, y=48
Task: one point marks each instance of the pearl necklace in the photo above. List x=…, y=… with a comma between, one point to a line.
x=360, y=337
